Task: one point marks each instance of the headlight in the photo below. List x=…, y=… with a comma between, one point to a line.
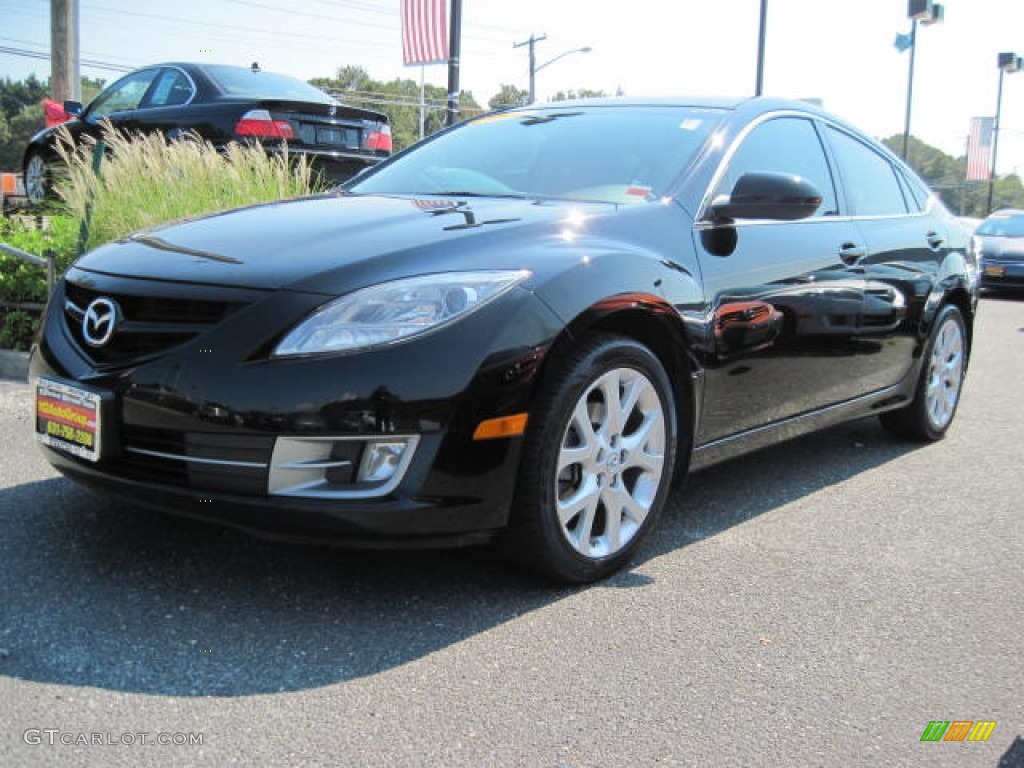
x=395, y=311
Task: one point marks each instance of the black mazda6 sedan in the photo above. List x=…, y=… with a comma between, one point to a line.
x=221, y=104
x=522, y=329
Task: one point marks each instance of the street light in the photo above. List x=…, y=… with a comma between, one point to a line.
x=1007, y=62
x=927, y=13
x=535, y=68
x=761, y=32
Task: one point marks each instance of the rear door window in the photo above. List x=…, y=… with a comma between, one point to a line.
x=172, y=88
x=869, y=179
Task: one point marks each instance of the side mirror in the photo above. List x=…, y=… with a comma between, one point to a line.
x=762, y=195
x=73, y=108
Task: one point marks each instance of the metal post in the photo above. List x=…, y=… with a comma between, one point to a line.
x=83, y=231
x=51, y=270
x=910, y=88
x=759, y=85
x=455, y=46
x=995, y=143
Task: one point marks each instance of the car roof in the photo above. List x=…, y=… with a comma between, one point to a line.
x=762, y=103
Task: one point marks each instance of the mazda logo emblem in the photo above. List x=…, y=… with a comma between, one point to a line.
x=101, y=318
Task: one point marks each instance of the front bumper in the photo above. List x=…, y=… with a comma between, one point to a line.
x=996, y=272
x=213, y=429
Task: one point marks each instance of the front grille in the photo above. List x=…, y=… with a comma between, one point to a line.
x=1012, y=256
x=199, y=460
x=148, y=326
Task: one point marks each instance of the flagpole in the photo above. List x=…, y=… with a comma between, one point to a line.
x=423, y=103
x=454, y=42
x=966, y=185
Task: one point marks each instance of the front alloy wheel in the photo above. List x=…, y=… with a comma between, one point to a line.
x=611, y=463
x=597, y=463
x=37, y=182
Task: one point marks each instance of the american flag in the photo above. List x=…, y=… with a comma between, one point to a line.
x=979, y=149
x=424, y=31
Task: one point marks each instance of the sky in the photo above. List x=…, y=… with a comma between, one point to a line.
x=839, y=51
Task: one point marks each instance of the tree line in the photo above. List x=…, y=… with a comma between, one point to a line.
x=21, y=115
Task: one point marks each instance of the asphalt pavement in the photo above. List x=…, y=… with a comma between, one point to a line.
x=818, y=603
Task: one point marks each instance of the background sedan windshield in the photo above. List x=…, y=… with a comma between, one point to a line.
x=1002, y=225
x=602, y=154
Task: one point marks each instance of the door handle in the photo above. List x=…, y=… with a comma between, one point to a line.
x=851, y=253
x=935, y=240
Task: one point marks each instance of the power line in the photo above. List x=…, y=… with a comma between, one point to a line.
x=223, y=27
x=292, y=12
x=46, y=57
x=45, y=48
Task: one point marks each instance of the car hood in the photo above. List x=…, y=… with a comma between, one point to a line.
x=302, y=244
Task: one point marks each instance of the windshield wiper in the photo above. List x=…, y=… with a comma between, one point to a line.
x=468, y=193
x=547, y=118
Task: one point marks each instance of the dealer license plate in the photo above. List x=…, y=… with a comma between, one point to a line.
x=68, y=418
x=992, y=271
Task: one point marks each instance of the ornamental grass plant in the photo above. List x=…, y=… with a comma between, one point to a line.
x=145, y=180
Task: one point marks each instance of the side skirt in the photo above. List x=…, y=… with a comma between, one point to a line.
x=760, y=437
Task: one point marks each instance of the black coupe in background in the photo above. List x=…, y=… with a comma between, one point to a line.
x=222, y=104
x=521, y=329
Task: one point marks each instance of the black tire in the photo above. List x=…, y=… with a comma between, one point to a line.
x=624, y=469
x=931, y=412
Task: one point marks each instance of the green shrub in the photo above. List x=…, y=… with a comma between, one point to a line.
x=56, y=233
x=17, y=328
x=148, y=180
x=24, y=283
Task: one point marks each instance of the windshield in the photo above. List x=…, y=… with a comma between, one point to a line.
x=244, y=83
x=1002, y=225
x=613, y=154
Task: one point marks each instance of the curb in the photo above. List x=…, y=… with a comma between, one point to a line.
x=13, y=364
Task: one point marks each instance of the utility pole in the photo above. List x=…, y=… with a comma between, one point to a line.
x=65, y=72
x=533, y=62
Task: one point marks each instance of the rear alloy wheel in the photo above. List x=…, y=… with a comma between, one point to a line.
x=37, y=178
x=597, y=464
x=938, y=390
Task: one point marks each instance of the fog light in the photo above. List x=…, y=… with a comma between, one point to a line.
x=380, y=461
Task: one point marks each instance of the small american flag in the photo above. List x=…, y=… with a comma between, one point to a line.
x=979, y=149
x=424, y=31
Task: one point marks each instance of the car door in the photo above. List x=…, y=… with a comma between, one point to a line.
x=904, y=248
x=120, y=103
x=168, y=103
x=782, y=302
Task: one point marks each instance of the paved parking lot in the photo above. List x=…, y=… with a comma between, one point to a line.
x=818, y=603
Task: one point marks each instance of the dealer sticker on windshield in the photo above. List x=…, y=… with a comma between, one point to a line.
x=68, y=418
